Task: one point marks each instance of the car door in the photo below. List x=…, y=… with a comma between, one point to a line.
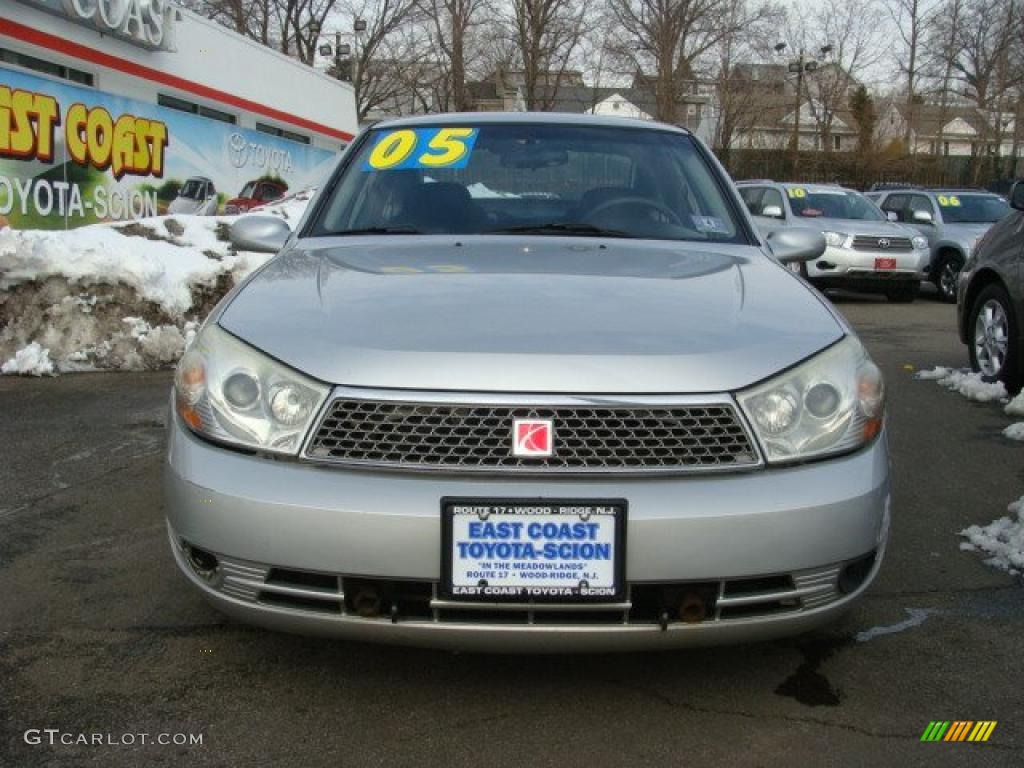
x=897, y=204
x=766, y=206
x=1003, y=246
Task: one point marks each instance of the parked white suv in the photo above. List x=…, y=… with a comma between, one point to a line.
x=866, y=252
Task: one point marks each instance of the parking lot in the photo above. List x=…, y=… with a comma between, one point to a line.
x=99, y=633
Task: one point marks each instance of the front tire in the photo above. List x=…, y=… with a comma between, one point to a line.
x=903, y=292
x=947, y=271
x=994, y=338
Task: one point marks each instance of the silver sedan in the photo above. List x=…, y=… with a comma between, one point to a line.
x=528, y=383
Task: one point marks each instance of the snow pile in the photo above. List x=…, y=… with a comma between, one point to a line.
x=1015, y=431
x=123, y=295
x=967, y=383
x=33, y=360
x=1003, y=539
x=1016, y=406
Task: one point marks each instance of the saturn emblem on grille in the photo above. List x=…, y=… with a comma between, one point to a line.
x=533, y=438
x=883, y=242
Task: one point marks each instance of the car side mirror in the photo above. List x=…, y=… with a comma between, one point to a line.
x=892, y=216
x=794, y=244
x=922, y=217
x=772, y=212
x=1017, y=196
x=262, y=234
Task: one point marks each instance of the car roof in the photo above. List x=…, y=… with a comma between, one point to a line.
x=812, y=186
x=527, y=118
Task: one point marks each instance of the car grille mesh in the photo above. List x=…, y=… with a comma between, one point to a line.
x=479, y=437
x=870, y=243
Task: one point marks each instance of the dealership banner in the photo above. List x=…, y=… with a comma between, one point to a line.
x=71, y=155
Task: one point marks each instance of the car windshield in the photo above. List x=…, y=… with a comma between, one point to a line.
x=192, y=190
x=972, y=209
x=832, y=204
x=248, y=189
x=548, y=179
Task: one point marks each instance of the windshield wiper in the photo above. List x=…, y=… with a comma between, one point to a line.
x=379, y=231
x=556, y=228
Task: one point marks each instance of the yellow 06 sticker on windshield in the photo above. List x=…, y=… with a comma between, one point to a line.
x=796, y=192
x=407, y=148
x=948, y=201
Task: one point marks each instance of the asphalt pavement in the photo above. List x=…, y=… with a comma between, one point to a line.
x=99, y=633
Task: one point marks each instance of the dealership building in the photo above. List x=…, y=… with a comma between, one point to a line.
x=157, y=52
x=136, y=98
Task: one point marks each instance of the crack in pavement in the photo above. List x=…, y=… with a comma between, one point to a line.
x=698, y=709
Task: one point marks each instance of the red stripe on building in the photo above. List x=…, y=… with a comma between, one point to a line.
x=59, y=44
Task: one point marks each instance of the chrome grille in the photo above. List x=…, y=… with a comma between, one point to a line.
x=460, y=437
x=871, y=243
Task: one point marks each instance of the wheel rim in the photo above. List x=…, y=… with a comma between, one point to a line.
x=947, y=278
x=991, y=338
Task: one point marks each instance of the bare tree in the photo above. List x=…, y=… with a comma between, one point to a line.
x=848, y=30
x=451, y=25
x=741, y=102
x=380, y=53
x=547, y=33
x=912, y=18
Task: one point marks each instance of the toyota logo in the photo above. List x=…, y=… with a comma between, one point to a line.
x=883, y=242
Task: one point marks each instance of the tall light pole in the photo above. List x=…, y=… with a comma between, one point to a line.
x=803, y=64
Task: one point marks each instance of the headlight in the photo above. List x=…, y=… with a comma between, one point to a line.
x=226, y=390
x=832, y=403
x=920, y=243
x=835, y=239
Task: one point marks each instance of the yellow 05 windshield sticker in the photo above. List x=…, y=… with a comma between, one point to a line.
x=407, y=148
x=796, y=192
x=948, y=201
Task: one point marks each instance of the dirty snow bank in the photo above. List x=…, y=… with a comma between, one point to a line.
x=1003, y=539
x=967, y=383
x=1016, y=406
x=123, y=295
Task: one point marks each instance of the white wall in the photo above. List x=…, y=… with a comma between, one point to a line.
x=209, y=55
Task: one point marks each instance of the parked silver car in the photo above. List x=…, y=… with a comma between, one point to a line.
x=866, y=252
x=952, y=220
x=528, y=383
x=990, y=304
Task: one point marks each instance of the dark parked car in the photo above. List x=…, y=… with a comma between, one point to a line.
x=990, y=298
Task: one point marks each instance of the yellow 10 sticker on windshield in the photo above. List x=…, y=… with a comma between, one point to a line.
x=797, y=192
x=408, y=148
x=948, y=201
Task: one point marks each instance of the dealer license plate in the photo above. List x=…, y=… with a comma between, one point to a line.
x=529, y=550
x=885, y=264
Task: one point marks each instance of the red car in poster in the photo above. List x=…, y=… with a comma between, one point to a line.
x=255, y=193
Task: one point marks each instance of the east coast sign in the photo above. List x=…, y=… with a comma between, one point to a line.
x=146, y=23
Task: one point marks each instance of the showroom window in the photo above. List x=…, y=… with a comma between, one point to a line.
x=173, y=102
x=275, y=131
x=46, y=67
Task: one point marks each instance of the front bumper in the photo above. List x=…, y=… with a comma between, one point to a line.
x=846, y=263
x=740, y=535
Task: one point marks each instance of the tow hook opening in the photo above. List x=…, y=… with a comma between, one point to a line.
x=366, y=602
x=854, y=574
x=204, y=564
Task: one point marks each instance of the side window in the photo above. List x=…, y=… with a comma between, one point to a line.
x=772, y=198
x=919, y=203
x=752, y=199
x=897, y=204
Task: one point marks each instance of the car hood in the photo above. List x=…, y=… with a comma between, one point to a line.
x=538, y=314
x=861, y=227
